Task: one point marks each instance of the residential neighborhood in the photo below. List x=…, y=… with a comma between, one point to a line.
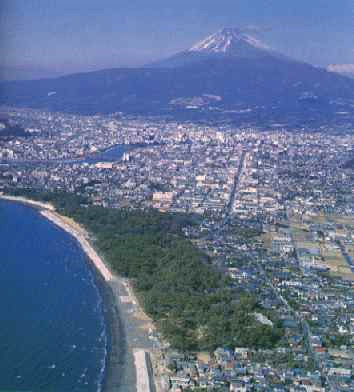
x=275, y=212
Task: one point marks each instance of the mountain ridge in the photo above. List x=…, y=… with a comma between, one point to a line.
x=253, y=84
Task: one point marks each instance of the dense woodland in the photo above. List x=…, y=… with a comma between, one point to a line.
x=194, y=305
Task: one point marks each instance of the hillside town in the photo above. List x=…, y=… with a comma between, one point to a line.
x=276, y=216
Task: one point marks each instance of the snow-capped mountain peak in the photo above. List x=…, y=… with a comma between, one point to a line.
x=228, y=40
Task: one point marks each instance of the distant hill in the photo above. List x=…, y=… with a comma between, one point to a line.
x=25, y=73
x=229, y=75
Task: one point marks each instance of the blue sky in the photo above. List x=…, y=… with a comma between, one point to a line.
x=73, y=35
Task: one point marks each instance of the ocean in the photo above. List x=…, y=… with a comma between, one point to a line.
x=52, y=318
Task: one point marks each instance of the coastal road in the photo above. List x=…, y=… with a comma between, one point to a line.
x=131, y=336
x=144, y=372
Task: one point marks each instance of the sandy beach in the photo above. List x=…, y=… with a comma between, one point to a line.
x=32, y=203
x=130, y=325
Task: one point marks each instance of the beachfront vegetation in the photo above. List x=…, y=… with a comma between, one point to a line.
x=195, y=306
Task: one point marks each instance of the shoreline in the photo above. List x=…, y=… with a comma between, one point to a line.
x=128, y=325
x=31, y=203
x=80, y=234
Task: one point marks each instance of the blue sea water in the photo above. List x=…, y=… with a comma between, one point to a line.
x=52, y=321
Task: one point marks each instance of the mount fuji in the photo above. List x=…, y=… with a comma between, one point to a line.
x=227, y=43
x=228, y=76
x=228, y=40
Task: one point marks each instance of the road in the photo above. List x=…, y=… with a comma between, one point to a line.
x=308, y=333
x=345, y=254
x=234, y=189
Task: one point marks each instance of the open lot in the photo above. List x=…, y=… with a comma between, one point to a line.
x=347, y=220
x=328, y=253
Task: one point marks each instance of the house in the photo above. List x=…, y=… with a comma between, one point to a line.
x=342, y=372
x=179, y=381
x=241, y=352
x=238, y=386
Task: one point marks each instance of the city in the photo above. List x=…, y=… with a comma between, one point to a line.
x=275, y=212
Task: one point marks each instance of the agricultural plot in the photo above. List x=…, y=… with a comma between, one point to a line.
x=325, y=251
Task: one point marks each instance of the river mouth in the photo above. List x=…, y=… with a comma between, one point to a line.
x=111, y=154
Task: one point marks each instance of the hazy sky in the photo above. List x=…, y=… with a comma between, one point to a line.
x=73, y=35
